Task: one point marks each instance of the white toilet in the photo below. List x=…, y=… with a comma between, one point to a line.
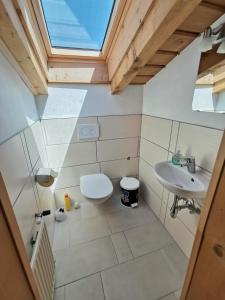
x=96, y=187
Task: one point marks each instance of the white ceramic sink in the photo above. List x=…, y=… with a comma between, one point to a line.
x=179, y=181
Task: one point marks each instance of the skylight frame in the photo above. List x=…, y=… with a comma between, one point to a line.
x=58, y=52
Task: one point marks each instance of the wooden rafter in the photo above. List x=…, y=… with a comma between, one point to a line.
x=159, y=24
x=15, y=39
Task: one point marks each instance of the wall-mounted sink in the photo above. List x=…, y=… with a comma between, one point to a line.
x=179, y=181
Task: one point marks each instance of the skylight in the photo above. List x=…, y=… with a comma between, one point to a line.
x=77, y=24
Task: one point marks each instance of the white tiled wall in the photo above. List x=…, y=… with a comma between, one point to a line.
x=114, y=153
x=159, y=139
x=20, y=157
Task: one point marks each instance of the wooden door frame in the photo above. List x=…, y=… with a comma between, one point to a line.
x=13, y=240
x=208, y=209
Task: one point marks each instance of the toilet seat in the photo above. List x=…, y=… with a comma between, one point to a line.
x=129, y=183
x=96, y=186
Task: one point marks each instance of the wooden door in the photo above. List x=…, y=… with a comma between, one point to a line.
x=16, y=277
x=205, y=279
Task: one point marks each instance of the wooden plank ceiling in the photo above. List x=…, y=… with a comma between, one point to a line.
x=203, y=16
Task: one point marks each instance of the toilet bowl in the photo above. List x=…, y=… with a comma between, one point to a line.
x=97, y=188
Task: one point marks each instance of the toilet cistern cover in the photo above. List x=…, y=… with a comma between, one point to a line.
x=129, y=183
x=96, y=186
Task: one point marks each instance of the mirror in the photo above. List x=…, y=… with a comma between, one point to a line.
x=209, y=93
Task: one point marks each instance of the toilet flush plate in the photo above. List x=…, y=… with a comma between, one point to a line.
x=88, y=131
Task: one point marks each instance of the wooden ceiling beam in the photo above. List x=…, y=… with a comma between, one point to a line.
x=150, y=70
x=14, y=37
x=26, y=14
x=133, y=19
x=141, y=79
x=210, y=60
x=219, y=86
x=202, y=17
x=159, y=24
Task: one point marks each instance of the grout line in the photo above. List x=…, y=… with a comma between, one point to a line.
x=171, y=132
x=95, y=162
x=129, y=243
x=86, y=117
x=154, y=143
x=178, y=133
x=122, y=263
x=18, y=132
x=182, y=122
x=94, y=140
x=100, y=274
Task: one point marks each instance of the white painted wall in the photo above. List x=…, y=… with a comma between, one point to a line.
x=169, y=94
x=17, y=103
x=84, y=100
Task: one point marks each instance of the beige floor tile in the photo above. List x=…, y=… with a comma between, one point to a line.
x=147, y=238
x=87, y=230
x=148, y=277
x=83, y=260
x=130, y=217
x=121, y=247
x=59, y=294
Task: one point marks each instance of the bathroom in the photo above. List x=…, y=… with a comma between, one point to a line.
x=107, y=250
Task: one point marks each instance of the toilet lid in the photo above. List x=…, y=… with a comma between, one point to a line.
x=129, y=183
x=96, y=186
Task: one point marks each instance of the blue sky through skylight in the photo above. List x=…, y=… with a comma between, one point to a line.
x=79, y=24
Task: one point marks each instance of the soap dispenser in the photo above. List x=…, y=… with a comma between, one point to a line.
x=176, y=158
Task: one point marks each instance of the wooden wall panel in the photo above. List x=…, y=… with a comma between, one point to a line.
x=205, y=278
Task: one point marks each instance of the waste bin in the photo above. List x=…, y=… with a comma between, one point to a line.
x=129, y=187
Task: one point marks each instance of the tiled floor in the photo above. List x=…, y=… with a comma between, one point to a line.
x=111, y=252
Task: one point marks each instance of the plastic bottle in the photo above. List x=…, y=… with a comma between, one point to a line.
x=67, y=202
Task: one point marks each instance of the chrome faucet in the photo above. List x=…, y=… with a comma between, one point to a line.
x=186, y=203
x=188, y=161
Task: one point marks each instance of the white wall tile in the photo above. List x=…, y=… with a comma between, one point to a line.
x=113, y=127
x=201, y=142
x=13, y=166
x=70, y=176
x=163, y=212
x=120, y=168
x=174, y=134
x=71, y=154
x=156, y=130
x=147, y=174
x=25, y=207
x=32, y=144
x=180, y=233
x=152, y=153
x=150, y=197
x=117, y=149
x=64, y=131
